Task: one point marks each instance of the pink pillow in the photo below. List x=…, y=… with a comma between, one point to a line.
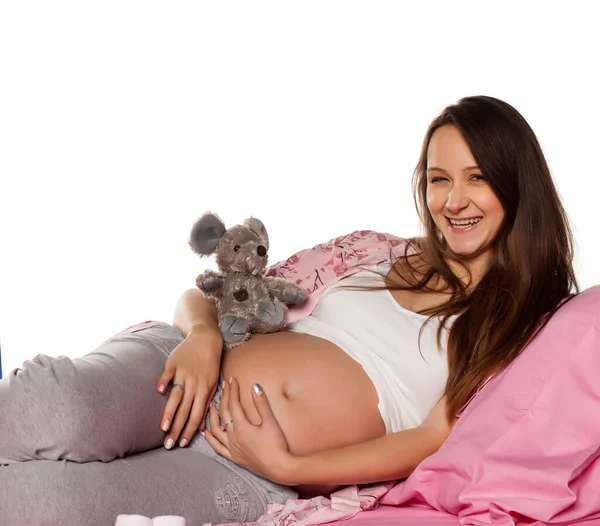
x=525, y=450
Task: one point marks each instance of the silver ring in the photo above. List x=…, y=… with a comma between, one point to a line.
x=223, y=426
x=180, y=387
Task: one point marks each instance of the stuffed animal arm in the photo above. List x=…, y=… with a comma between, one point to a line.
x=210, y=282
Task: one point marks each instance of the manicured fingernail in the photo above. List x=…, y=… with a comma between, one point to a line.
x=183, y=442
x=165, y=425
x=169, y=443
x=257, y=389
x=202, y=433
x=161, y=389
x=230, y=380
x=223, y=384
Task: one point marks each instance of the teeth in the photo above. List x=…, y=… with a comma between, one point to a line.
x=465, y=222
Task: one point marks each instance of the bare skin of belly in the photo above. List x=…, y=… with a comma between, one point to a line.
x=320, y=396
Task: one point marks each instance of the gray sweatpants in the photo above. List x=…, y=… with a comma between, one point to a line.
x=80, y=443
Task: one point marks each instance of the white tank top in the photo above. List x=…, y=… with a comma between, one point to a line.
x=383, y=337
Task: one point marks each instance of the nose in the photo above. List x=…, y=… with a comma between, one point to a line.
x=241, y=295
x=458, y=199
x=261, y=251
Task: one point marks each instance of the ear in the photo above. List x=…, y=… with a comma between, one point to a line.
x=256, y=225
x=206, y=234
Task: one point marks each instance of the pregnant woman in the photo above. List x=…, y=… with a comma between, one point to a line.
x=396, y=338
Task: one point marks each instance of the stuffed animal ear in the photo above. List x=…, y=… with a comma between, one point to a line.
x=206, y=234
x=256, y=225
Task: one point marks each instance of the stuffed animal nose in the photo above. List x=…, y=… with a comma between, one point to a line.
x=240, y=295
x=261, y=251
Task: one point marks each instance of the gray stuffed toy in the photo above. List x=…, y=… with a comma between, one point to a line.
x=247, y=300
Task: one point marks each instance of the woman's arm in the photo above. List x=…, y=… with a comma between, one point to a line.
x=263, y=448
x=391, y=457
x=193, y=366
x=195, y=312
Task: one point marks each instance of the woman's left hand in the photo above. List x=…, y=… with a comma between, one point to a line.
x=263, y=448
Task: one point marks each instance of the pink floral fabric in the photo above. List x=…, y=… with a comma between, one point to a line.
x=343, y=505
x=317, y=268
x=139, y=327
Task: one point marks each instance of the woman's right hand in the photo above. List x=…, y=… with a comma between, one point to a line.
x=194, y=365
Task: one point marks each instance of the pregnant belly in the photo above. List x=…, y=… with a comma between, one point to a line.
x=320, y=396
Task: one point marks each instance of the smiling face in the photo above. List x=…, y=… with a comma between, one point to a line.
x=462, y=204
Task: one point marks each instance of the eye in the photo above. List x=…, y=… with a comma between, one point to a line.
x=477, y=177
x=236, y=248
x=436, y=180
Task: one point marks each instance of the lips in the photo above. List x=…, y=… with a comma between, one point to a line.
x=464, y=223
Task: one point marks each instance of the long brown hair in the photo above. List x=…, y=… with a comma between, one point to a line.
x=530, y=272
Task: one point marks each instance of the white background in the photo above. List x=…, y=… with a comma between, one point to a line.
x=121, y=122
